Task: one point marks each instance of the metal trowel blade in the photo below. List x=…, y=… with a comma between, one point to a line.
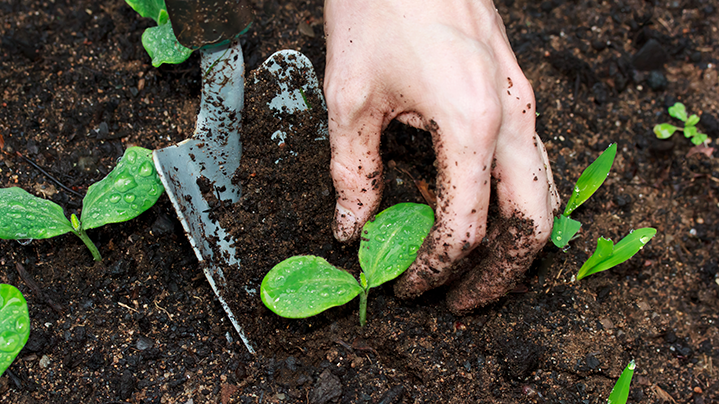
x=204, y=165
x=198, y=23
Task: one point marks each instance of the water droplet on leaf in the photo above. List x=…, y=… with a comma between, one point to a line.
x=146, y=169
x=9, y=341
x=129, y=198
x=115, y=198
x=154, y=190
x=131, y=156
x=22, y=324
x=124, y=182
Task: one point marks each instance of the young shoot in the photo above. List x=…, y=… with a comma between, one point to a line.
x=679, y=111
x=160, y=41
x=620, y=392
x=130, y=189
x=608, y=255
x=306, y=285
x=592, y=178
x=14, y=324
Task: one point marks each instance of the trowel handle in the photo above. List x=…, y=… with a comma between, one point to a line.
x=223, y=92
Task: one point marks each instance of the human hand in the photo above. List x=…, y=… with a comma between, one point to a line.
x=445, y=66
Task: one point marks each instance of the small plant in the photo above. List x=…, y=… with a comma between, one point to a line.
x=679, y=111
x=14, y=324
x=592, y=178
x=160, y=41
x=130, y=189
x=620, y=392
x=607, y=255
x=306, y=285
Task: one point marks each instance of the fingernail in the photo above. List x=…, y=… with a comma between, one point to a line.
x=345, y=224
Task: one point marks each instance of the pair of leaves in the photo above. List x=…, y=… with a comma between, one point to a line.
x=592, y=178
x=160, y=41
x=679, y=111
x=620, y=391
x=14, y=324
x=303, y=286
x=608, y=255
x=131, y=188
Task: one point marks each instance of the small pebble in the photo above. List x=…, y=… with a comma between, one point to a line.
x=606, y=323
x=144, y=343
x=44, y=361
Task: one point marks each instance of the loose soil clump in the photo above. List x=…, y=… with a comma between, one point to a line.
x=143, y=326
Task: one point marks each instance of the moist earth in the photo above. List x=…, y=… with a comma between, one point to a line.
x=143, y=326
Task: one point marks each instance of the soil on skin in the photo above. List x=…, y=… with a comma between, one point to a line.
x=144, y=326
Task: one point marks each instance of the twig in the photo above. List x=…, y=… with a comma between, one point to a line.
x=163, y=309
x=32, y=163
x=36, y=289
x=127, y=307
x=428, y=195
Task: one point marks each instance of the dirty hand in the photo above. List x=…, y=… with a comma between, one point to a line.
x=445, y=66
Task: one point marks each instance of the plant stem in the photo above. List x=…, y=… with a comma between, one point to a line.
x=304, y=98
x=90, y=245
x=363, y=307
x=207, y=73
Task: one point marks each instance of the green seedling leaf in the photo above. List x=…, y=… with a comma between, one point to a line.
x=591, y=179
x=620, y=392
x=130, y=189
x=150, y=9
x=390, y=242
x=162, y=45
x=160, y=41
x=25, y=216
x=14, y=324
x=608, y=255
x=692, y=120
x=664, y=130
x=699, y=138
x=303, y=286
x=563, y=230
x=679, y=111
x=690, y=131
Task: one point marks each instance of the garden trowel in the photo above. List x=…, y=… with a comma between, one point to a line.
x=203, y=166
x=202, y=23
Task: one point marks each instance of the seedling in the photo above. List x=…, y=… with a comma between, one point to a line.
x=218, y=22
x=160, y=41
x=620, y=392
x=608, y=255
x=130, y=189
x=306, y=285
x=14, y=324
x=679, y=111
x=565, y=228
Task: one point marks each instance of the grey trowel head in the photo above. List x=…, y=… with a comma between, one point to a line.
x=202, y=167
x=200, y=23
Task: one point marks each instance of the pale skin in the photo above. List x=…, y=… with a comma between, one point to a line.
x=445, y=66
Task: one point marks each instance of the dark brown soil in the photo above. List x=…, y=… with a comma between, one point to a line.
x=144, y=327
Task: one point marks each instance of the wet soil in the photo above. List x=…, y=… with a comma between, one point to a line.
x=143, y=326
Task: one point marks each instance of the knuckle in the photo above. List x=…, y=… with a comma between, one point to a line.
x=346, y=99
